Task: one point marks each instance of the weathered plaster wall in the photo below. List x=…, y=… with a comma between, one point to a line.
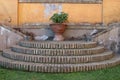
x=8, y=11
x=8, y=37
x=37, y=12
x=111, y=10
x=111, y=38
x=33, y=13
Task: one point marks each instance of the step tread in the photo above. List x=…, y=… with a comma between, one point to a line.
x=101, y=54
x=56, y=44
x=17, y=46
x=114, y=59
x=42, y=67
x=58, y=59
x=58, y=52
x=82, y=42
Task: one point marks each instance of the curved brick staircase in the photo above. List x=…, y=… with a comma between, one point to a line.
x=64, y=56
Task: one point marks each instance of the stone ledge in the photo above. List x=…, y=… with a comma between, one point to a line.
x=60, y=1
x=70, y=26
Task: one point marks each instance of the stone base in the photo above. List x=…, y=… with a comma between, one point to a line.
x=58, y=38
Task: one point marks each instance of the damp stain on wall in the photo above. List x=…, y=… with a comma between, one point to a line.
x=52, y=8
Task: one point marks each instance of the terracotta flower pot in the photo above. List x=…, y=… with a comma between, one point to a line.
x=58, y=29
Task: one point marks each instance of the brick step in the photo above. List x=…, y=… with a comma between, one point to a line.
x=57, y=59
x=41, y=67
x=57, y=52
x=57, y=45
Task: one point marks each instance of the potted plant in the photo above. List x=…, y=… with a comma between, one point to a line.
x=58, y=26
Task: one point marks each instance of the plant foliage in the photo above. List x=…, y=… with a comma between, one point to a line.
x=59, y=17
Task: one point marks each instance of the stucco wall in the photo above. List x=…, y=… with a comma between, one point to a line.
x=111, y=10
x=80, y=12
x=33, y=13
x=36, y=12
x=8, y=11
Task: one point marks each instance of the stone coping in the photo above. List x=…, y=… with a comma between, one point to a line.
x=12, y=30
x=61, y=1
x=70, y=26
x=104, y=31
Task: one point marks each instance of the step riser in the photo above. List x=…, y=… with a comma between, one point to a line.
x=56, y=68
x=58, y=45
x=58, y=59
x=59, y=52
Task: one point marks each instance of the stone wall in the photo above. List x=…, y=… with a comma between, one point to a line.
x=110, y=38
x=73, y=30
x=9, y=37
x=67, y=34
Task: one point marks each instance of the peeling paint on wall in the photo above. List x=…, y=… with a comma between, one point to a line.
x=52, y=8
x=3, y=30
x=8, y=37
